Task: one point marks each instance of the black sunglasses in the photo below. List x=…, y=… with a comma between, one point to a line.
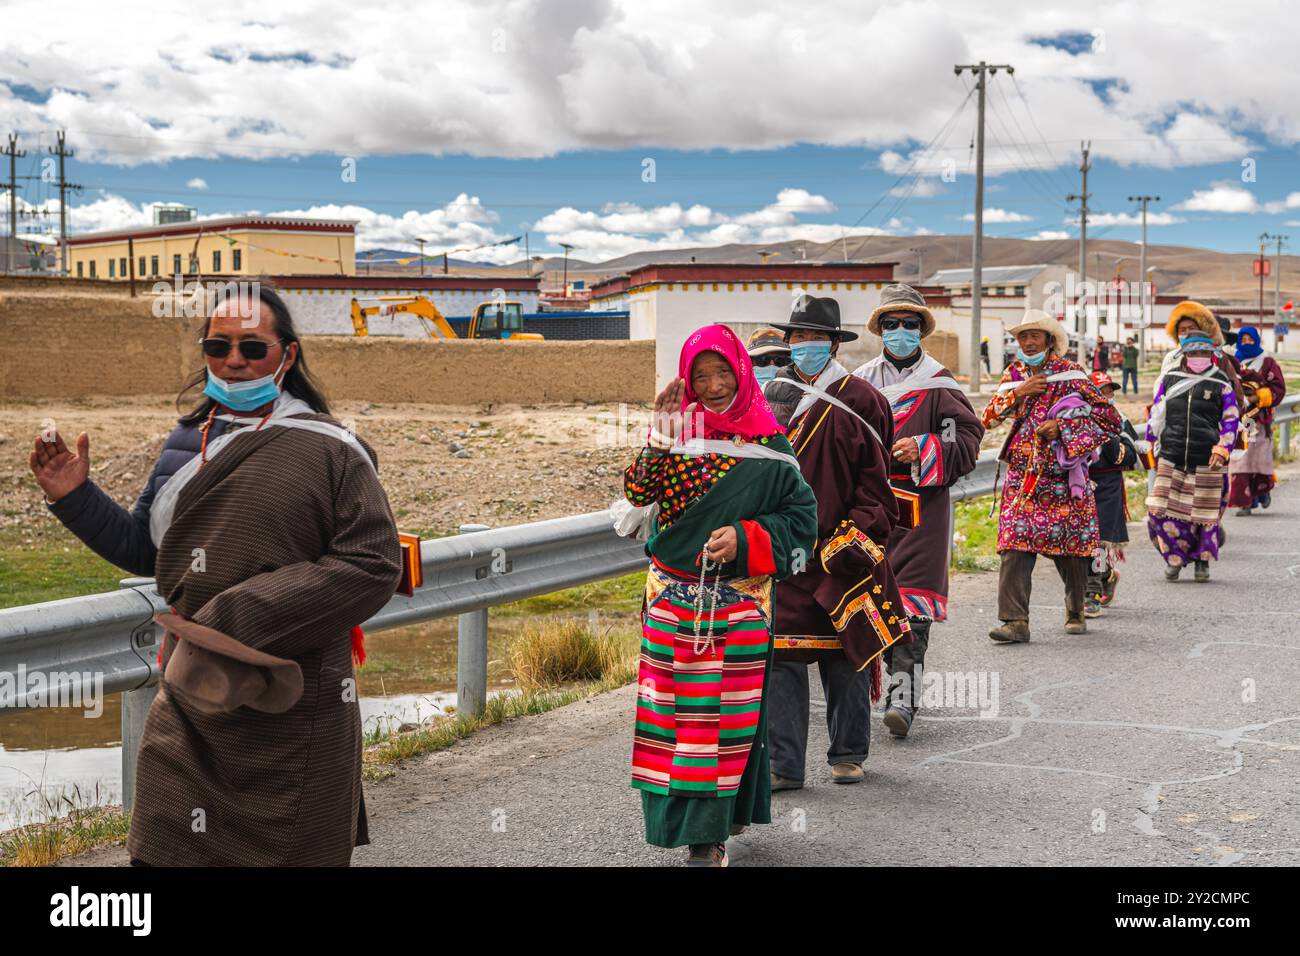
x=780, y=360
x=251, y=349
x=891, y=323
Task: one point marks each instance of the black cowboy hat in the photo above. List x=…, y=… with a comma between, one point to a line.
x=817, y=314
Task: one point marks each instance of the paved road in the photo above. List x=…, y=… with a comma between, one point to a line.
x=1169, y=734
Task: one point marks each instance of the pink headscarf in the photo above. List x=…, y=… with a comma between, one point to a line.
x=749, y=415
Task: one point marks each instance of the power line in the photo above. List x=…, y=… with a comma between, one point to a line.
x=943, y=131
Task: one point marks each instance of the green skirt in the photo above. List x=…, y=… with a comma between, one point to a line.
x=679, y=821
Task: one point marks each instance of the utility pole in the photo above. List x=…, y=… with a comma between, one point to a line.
x=13, y=152
x=981, y=71
x=565, y=289
x=421, y=242
x=1277, y=292
x=1263, y=239
x=1142, y=280
x=64, y=154
x=1080, y=324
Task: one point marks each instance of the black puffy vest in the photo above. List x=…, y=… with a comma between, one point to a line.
x=1192, y=420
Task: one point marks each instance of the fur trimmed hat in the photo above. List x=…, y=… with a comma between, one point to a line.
x=900, y=297
x=1204, y=318
x=1036, y=320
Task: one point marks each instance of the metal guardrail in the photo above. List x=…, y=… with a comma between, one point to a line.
x=111, y=637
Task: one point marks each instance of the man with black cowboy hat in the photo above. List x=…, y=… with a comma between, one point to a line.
x=845, y=609
x=936, y=441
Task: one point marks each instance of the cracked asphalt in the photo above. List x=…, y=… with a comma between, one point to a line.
x=1169, y=734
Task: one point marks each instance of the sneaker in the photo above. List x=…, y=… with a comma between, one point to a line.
x=1242, y=512
x=707, y=854
x=847, y=773
x=1266, y=499
x=1075, y=625
x=898, y=718
x=1011, y=632
x=1172, y=572
x=1108, y=589
x=1092, y=608
x=785, y=783
x=1202, y=571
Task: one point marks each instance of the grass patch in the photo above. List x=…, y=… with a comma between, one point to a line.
x=73, y=824
x=552, y=653
x=47, y=564
x=975, y=537
x=612, y=594
x=555, y=663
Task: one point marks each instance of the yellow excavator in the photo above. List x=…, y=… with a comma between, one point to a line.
x=491, y=320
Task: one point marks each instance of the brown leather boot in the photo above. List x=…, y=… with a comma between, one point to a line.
x=1011, y=632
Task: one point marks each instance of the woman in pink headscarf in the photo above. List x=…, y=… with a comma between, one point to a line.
x=733, y=515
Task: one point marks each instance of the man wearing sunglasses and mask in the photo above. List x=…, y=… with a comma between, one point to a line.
x=936, y=441
x=844, y=609
x=271, y=540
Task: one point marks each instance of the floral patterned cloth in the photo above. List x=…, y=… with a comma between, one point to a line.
x=1037, y=513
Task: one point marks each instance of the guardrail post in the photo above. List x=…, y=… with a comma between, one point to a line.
x=1284, y=438
x=135, y=707
x=472, y=653
x=135, y=704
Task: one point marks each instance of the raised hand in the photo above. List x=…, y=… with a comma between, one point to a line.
x=1035, y=385
x=667, y=414
x=58, y=470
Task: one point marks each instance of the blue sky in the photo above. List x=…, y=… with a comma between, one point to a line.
x=795, y=122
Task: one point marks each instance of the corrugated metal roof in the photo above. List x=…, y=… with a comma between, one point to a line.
x=991, y=275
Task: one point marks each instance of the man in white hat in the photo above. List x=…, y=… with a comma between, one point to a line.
x=1058, y=418
x=936, y=441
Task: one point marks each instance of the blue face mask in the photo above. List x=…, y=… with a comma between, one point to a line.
x=902, y=342
x=1033, y=360
x=765, y=373
x=811, y=357
x=244, y=396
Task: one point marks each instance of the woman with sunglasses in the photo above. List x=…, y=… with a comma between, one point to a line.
x=271, y=540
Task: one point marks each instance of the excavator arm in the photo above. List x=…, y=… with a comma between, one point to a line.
x=434, y=322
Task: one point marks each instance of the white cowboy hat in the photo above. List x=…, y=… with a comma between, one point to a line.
x=1036, y=320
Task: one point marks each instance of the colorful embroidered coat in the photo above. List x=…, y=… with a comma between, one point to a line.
x=947, y=432
x=846, y=601
x=1037, y=513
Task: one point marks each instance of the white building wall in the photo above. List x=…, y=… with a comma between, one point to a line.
x=673, y=311
x=329, y=311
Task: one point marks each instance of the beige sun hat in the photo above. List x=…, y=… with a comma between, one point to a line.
x=1036, y=320
x=901, y=297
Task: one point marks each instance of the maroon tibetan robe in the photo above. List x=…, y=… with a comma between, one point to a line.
x=846, y=601
x=947, y=432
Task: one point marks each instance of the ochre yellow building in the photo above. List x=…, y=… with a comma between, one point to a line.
x=237, y=246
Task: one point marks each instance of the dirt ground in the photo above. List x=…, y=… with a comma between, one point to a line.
x=523, y=463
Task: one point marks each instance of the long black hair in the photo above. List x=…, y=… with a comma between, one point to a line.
x=298, y=381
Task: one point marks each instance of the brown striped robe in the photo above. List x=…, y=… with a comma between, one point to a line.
x=299, y=546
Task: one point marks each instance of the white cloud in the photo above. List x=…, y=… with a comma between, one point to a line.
x=197, y=183
x=1098, y=219
x=995, y=215
x=465, y=223
x=1050, y=234
x=625, y=228
x=137, y=83
x=1231, y=198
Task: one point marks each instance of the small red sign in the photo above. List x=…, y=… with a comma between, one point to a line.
x=1262, y=267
